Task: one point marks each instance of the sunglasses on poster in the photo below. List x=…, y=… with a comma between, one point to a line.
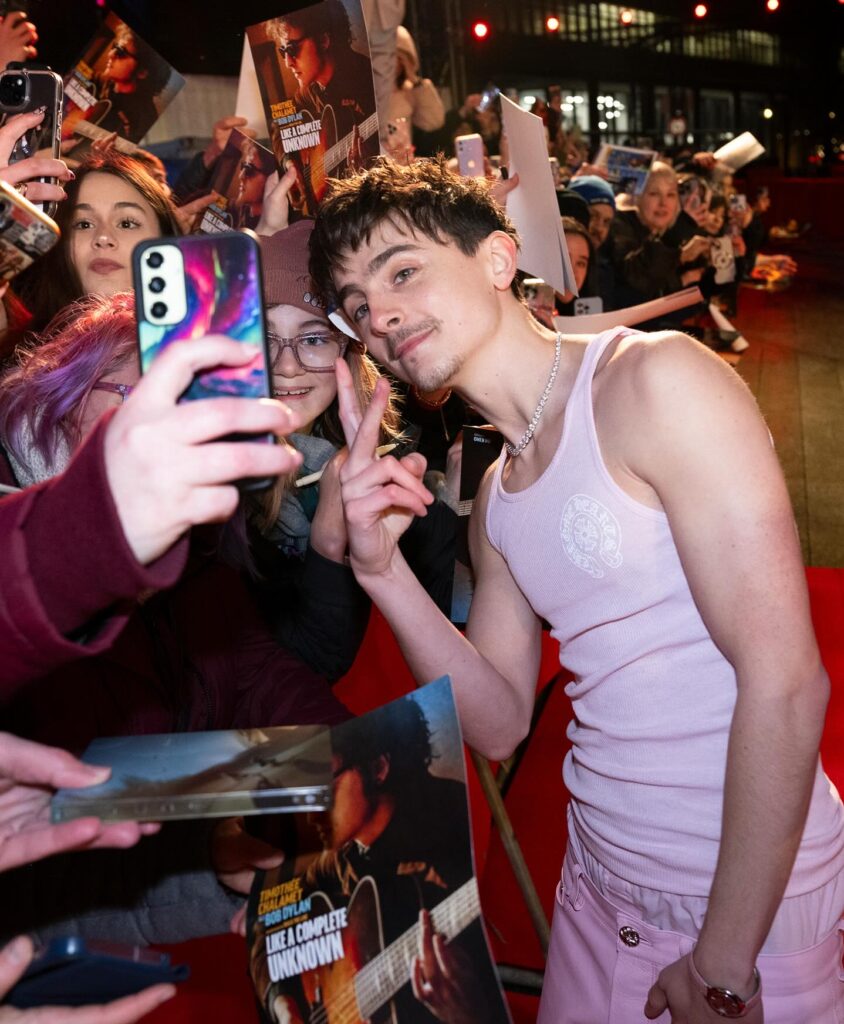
x=293, y=47
x=120, y=51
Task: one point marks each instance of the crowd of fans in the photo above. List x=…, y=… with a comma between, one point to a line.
x=198, y=608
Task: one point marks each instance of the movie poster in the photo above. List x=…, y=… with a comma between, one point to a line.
x=120, y=84
x=240, y=176
x=315, y=76
x=336, y=932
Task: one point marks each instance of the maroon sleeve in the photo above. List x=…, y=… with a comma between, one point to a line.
x=68, y=578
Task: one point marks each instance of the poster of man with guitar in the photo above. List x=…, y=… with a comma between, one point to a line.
x=315, y=76
x=375, y=915
x=120, y=84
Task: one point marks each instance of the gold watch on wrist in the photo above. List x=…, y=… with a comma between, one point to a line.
x=724, y=1001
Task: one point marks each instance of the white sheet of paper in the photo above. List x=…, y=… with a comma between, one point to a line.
x=739, y=151
x=248, y=103
x=597, y=322
x=532, y=206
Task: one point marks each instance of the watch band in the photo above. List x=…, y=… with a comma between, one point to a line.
x=723, y=1001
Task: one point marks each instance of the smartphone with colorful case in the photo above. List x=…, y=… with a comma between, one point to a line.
x=196, y=285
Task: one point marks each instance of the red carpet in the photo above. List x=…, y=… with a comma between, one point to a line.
x=219, y=990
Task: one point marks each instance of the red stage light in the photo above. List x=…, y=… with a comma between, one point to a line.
x=552, y=23
x=701, y=10
x=773, y=5
x=480, y=30
x=626, y=16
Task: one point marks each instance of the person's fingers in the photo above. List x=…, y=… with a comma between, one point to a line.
x=232, y=121
x=238, y=923
x=123, y=834
x=172, y=371
x=42, y=192
x=36, y=167
x=213, y=418
x=45, y=841
x=14, y=960
x=362, y=433
x=12, y=131
x=196, y=206
x=372, y=506
x=417, y=980
x=426, y=945
x=441, y=957
x=211, y=504
x=657, y=1002
x=223, y=463
x=348, y=402
x=35, y=763
x=416, y=463
x=121, y=1011
x=384, y=474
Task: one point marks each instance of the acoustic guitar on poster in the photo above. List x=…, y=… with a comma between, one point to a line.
x=359, y=988
x=316, y=164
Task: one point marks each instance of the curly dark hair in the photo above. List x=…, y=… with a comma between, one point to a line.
x=425, y=196
x=328, y=17
x=398, y=731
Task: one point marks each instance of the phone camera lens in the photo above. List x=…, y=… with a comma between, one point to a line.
x=159, y=309
x=154, y=260
x=157, y=285
x=12, y=90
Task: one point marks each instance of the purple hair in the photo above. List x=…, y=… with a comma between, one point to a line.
x=48, y=388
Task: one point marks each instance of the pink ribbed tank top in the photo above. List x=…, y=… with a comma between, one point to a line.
x=652, y=697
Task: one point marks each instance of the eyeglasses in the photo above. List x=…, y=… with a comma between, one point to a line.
x=124, y=390
x=248, y=170
x=316, y=350
x=120, y=51
x=293, y=47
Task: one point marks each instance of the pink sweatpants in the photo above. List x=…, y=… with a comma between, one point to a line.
x=603, y=960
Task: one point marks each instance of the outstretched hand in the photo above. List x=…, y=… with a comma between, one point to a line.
x=34, y=167
x=275, y=213
x=30, y=773
x=380, y=496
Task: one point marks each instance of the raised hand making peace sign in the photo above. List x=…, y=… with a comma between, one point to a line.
x=380, y=496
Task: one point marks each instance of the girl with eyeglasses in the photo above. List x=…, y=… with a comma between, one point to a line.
x=297, y=534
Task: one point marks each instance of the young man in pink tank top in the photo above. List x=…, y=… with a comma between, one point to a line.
x=642, y=511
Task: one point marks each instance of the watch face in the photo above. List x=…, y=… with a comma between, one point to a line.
x=724, y=1002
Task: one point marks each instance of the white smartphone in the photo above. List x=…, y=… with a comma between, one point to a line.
x=586, y=307
x=470, y=155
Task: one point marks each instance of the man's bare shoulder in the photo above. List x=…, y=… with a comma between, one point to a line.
x=663, y=369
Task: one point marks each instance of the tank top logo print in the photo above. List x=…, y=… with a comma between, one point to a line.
x=591, y=535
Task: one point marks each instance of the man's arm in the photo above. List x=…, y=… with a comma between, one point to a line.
x=707, y=453
x=494, y=689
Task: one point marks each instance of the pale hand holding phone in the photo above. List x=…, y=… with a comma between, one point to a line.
x=36, y=167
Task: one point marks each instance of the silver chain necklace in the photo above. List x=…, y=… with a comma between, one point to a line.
x=527, y=437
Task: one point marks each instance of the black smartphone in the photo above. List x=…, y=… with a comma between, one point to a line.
x=73, y=972
x=196, y=285
x=23, y=90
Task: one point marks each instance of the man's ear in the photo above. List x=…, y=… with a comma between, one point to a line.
x=503, y=256
x=381, y=768
x=323, y=42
